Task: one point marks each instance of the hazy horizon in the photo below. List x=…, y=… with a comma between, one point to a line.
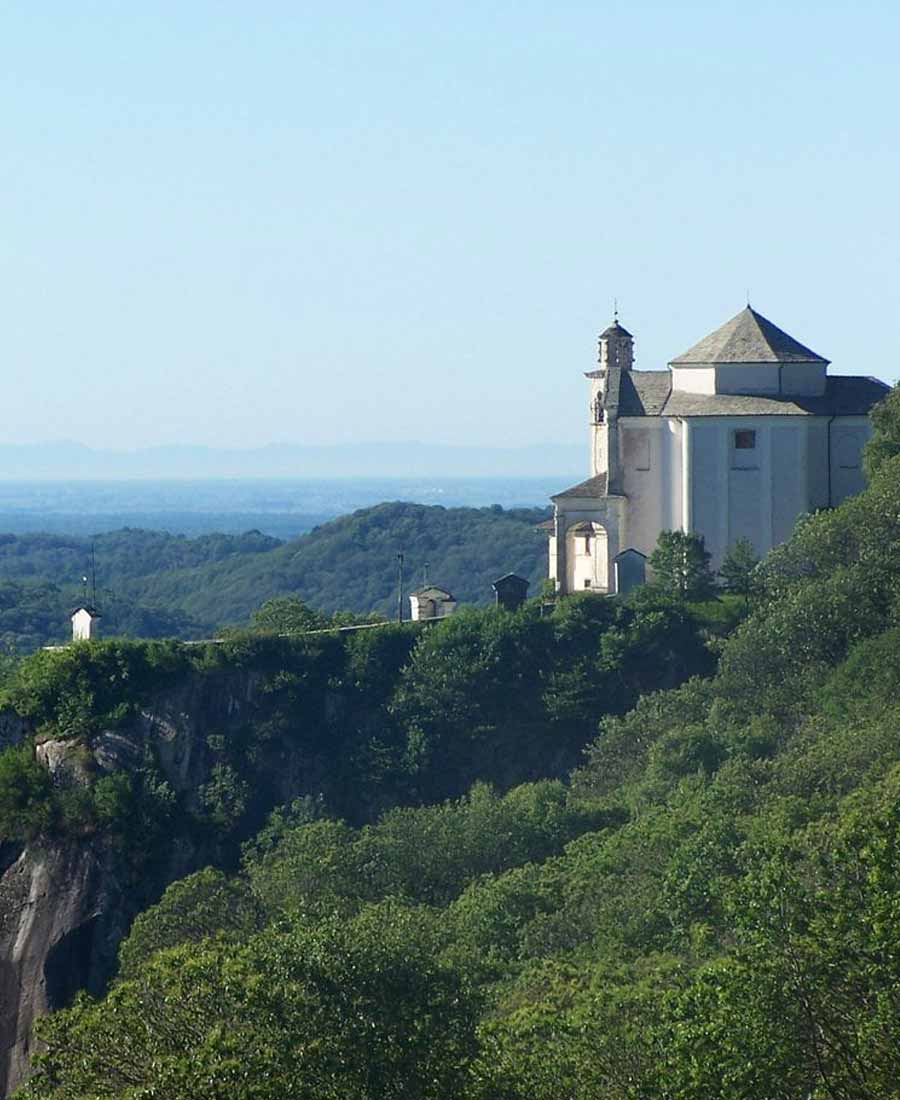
x=67, y=461
x=283, y=507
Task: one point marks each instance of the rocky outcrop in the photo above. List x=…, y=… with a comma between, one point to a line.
x=66, y=905
x=58, y=910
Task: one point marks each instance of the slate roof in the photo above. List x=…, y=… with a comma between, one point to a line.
x=89, y=608
x=593, y=487
x=748, y=338
x=432, y=590
x=644, y=392
x=510, y=579
x=649, y=393
x=615, y=329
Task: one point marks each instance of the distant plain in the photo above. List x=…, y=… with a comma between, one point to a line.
x=283, y=508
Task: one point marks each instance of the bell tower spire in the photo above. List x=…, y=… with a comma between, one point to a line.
x=615, y=347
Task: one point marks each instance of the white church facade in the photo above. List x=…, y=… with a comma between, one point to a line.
x=738, y=437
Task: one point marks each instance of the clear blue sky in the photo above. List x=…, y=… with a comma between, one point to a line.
x=235, y=223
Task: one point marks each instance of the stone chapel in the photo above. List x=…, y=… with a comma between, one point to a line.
x=738, y=437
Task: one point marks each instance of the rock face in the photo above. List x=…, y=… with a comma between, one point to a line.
x=66, y=905
x=60, y=918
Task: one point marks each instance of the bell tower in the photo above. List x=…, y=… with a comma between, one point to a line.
x=615, y=353
x=615, y=348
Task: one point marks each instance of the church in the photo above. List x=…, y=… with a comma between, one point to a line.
x=739, y=436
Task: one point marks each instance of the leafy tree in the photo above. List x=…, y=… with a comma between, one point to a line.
x=345, y=1012
x=680, y=564
x=885, y=441
x=225, y=796
x=25, y=790
x=737, y=567
x=204, y=904
x=287, y=615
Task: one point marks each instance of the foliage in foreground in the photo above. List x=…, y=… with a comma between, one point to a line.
x=343, y=1010
x=710, y=911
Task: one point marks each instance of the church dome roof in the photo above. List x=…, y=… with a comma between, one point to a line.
x=748, y=338
x=615, y=329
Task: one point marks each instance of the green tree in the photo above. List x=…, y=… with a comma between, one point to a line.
x=680, y=563
x=340, y=1012
x=202, y=905
x=287, y=615
x=25, y=794
x=885, y=441
x=737, y=567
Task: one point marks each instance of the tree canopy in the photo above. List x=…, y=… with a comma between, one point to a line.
x=680, y=565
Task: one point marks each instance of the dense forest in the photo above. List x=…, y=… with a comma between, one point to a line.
x=151, y=584
x=707, y=907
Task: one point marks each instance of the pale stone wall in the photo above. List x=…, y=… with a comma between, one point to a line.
x=790, y=456
x=747, y=378
x=694, y=379
x=817, y=480
x=796, y=379
x=809, y=379
x=849, y=435
x=651, y=473
x=759, y=493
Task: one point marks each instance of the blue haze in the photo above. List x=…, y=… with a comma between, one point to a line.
x=283, y=508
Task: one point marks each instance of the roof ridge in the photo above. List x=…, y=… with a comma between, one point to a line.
x=748, y=337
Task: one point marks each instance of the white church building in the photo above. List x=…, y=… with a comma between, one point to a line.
x=738, y=437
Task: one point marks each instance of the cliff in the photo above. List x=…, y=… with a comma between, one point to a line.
x=142, y=762
x=66, y=902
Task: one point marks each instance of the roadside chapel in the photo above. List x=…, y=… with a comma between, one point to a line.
x=738, y=437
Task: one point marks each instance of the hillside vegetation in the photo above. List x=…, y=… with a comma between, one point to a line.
x=155, y=585
x=398, y=714
x=709, y=910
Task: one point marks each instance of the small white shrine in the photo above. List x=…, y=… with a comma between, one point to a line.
x=85, y=623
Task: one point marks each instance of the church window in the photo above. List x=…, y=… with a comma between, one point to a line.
x=745, y=440
x=587, y=584
x=587, y=544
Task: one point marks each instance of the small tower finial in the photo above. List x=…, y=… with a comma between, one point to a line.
x=615, y=311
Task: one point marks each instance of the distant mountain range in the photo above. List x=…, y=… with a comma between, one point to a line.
x=75, y=461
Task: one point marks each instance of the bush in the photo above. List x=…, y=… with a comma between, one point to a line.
x=25, y=794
